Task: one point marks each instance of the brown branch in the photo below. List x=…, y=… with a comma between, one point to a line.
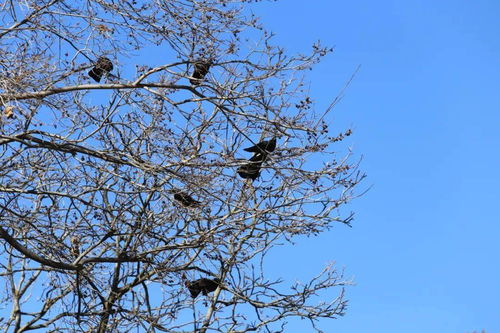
x=30, y=254
x=29, y=17
x=74, y=148
x=61, y=265
x=54, y=91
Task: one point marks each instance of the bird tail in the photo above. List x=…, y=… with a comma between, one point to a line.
x=96, y=74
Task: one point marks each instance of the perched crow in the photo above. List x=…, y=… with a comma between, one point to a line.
x=249, y=171
x=200, y=71
x=266, y=146
x=185, y=199
x=102, y=65
x=252, y=169
x=202, y=285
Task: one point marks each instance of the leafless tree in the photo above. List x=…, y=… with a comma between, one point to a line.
x=118, y=195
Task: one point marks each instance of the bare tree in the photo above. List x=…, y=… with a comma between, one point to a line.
x=121, y=206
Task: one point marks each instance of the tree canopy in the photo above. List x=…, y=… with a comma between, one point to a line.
x=122, y=138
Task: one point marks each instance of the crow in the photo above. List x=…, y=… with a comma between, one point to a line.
x=202, y=285
x=251, y=170
x=185, y=199
x=102, y=65
x=266, y=146
x=200, y=71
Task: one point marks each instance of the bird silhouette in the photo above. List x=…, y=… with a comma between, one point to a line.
x=101, y=66
x=185, y=199
x=266, y=146
x=201, y=68
x=202, y=285
x=251, y=170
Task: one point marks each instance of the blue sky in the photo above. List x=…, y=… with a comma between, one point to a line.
x=424, y=249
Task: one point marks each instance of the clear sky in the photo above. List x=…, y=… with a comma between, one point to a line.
x=425, y=108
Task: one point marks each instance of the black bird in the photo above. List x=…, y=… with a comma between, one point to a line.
x=202, y=285
x=185, y=199
x=251, y=170
x=266, y=146
x=200, y=71
x=102, y=65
